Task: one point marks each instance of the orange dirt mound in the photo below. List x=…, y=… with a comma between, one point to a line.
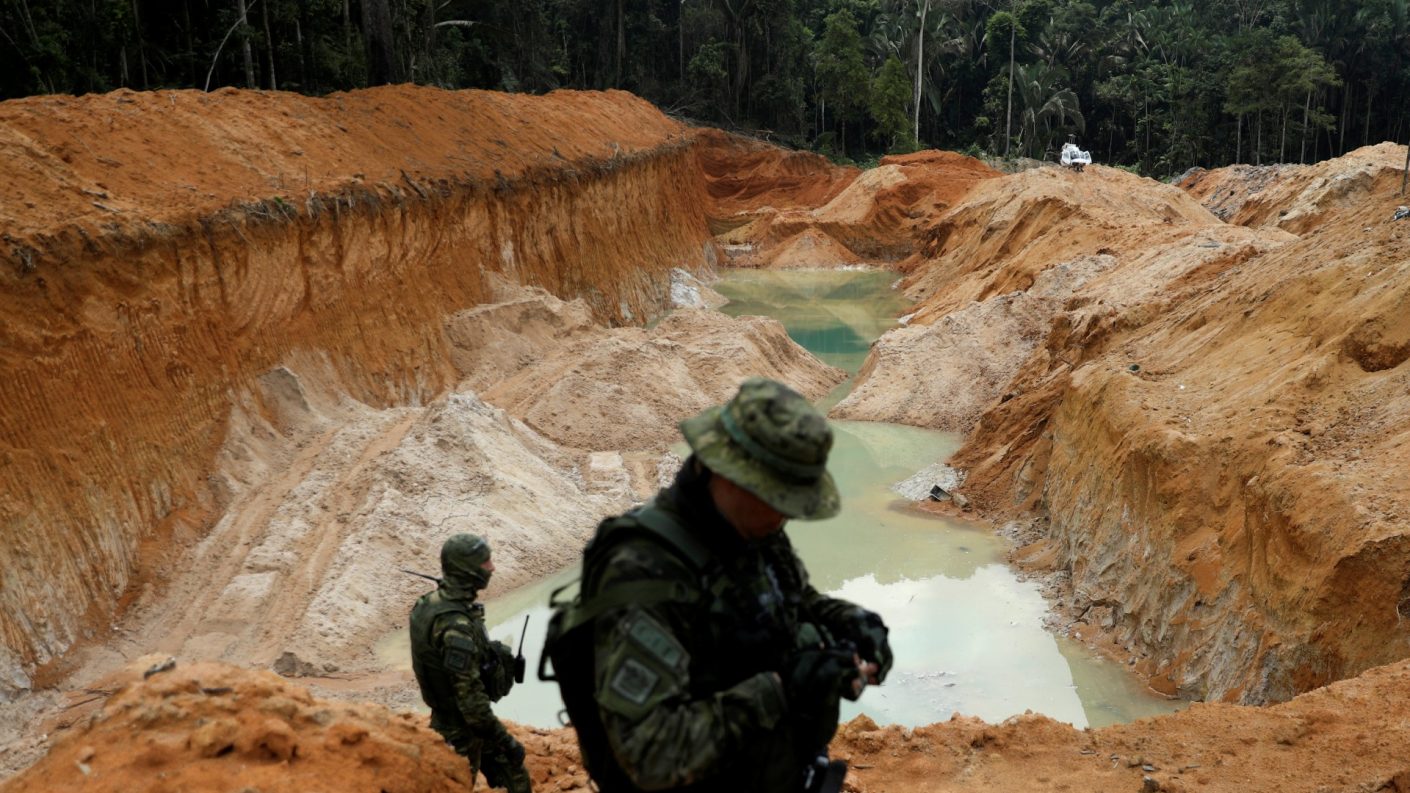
x=742, y=175
x=875, y=217
x=210, y=727
x=1299, y=198
x=163, y=251
x=1006, y=231
x=136, y=158
x=1345, y=737
x=1212, y=425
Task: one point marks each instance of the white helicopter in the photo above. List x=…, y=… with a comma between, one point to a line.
x=1074, y=158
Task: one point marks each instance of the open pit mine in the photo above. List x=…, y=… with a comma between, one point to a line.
x=258, y=351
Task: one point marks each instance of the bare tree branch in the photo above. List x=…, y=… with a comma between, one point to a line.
x=216, y=59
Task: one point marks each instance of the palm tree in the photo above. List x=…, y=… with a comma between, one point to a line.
x=1047, y=105
x=917, y=31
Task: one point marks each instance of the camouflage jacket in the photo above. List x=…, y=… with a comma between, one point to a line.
x=687, y=691
x=459, y=670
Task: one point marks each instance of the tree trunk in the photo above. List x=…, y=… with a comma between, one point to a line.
x=1366, y=133
x=269, y=45
x=299, y=39
x=1146, y=111
x=381, y=47
x=1345, y=116
x=347, y=28
x=1008, y=122
x=621, y=40
x=1306, y=111
x=190, y=44
x=245, y=44
x=1258, y=143
x=141, y=47
x=1283, y=137
x=920, y=63
x=428, y=45
x=1404, y=177
x=1239, y=138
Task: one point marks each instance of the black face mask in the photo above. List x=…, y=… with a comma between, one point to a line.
x=466, y=582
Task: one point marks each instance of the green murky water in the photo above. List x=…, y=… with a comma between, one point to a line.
x=967, y=634
x=836, y=314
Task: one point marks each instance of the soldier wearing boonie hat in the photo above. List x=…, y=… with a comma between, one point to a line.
x=697, y=655
x=771, y=442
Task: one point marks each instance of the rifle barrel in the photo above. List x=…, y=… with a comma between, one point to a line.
x=420, y=575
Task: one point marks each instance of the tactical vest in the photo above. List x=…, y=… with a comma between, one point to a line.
x=757, y=643
x=428, y=656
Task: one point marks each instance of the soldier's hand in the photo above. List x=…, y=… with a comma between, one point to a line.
x=871, y=635
x=514, y=752
x=819, y=675
x=868, y=676
x=815, y=680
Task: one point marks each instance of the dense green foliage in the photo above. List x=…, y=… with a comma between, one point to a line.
x=1157, y=84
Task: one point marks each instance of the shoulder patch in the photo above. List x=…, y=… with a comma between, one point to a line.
x=648, y=634
x=634, y=681
x=459, y=651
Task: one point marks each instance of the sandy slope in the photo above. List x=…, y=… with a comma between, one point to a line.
x=1208, y=416
x=626, y=388
x=164, y=251
x=327, y=498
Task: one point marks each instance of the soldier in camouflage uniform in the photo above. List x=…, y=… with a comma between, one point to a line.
x=716, y=665
x=460, y=671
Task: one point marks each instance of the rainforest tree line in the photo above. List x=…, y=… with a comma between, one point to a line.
x=1159, y=85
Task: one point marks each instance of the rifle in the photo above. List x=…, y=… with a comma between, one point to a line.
x=519, y=663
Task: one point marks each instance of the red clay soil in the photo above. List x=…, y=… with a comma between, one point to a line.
x=139, y=158
x=208, y=727
x=163, y=250
x=742, y=175
x=876, y=217
x=1215, y=427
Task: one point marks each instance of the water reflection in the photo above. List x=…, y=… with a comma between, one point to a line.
x=974, y=646
x=836, y=314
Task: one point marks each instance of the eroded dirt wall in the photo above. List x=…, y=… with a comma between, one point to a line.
x=1219, y=447
x=163, y=250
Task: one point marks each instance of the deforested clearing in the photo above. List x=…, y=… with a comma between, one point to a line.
x=242, y=390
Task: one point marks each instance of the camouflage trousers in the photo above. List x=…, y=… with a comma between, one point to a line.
x=493, y=763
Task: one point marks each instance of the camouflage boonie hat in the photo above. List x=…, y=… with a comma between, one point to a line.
x=461, y=557
x=770, y=441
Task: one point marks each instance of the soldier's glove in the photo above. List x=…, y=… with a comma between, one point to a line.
x=514, y=752
x=814, y=681
x=870, y=634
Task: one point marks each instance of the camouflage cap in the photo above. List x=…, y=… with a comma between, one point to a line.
x=461, y=558
x=770, y=441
